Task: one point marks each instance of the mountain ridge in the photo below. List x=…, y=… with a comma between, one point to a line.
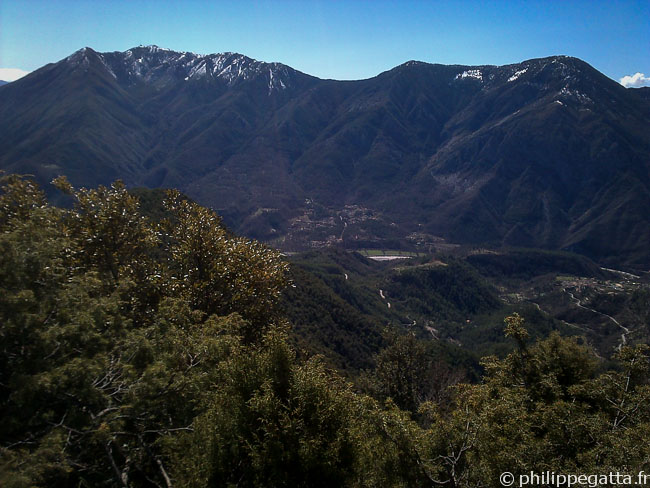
x=544, y=153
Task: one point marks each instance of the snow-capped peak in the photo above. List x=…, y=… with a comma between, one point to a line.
x=78, y=55
x=153, y=48
x=153, y=64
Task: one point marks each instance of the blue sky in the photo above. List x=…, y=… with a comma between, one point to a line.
x=334, y=38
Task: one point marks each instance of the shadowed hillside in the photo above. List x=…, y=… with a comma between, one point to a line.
x=545, y=153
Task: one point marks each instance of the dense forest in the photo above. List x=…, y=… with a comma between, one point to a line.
x=151, y=350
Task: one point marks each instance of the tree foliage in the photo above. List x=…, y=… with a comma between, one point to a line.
x=113, y=329
x=139, y=353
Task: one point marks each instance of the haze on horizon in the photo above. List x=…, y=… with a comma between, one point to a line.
x=342, y=40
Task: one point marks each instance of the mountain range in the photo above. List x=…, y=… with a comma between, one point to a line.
x=546, y=153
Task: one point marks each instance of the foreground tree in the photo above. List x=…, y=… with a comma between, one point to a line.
x=106, y=351
x=135, y=354
x=542, y=408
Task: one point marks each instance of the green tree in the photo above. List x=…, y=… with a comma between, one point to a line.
x=103, y=355
x=408, y=372
x=273, y=423
x=219, y=273
x=136, y=353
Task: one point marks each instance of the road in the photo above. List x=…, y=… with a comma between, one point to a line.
x=625, y=330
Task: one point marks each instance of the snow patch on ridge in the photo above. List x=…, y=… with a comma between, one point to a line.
x=566, y=93
x=517, y=74
x=108, y=68
x=472, y=73
x=198, y=70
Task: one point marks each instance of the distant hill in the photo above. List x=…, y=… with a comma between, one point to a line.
x=545, y=153
x=2, y=82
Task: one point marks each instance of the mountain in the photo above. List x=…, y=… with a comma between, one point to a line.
x=2, y=82
x=545, y=153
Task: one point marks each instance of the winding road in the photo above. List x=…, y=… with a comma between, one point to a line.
x=625, y=330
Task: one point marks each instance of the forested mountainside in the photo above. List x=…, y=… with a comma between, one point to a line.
x=546, y=153
x=149, y=347
x=342, y=303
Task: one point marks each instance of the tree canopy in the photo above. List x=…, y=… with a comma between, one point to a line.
x=137, y=353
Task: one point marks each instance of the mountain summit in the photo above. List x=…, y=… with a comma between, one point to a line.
x=160, y=67
x=545, y=153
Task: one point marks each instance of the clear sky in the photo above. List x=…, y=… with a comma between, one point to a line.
x=335, y=38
